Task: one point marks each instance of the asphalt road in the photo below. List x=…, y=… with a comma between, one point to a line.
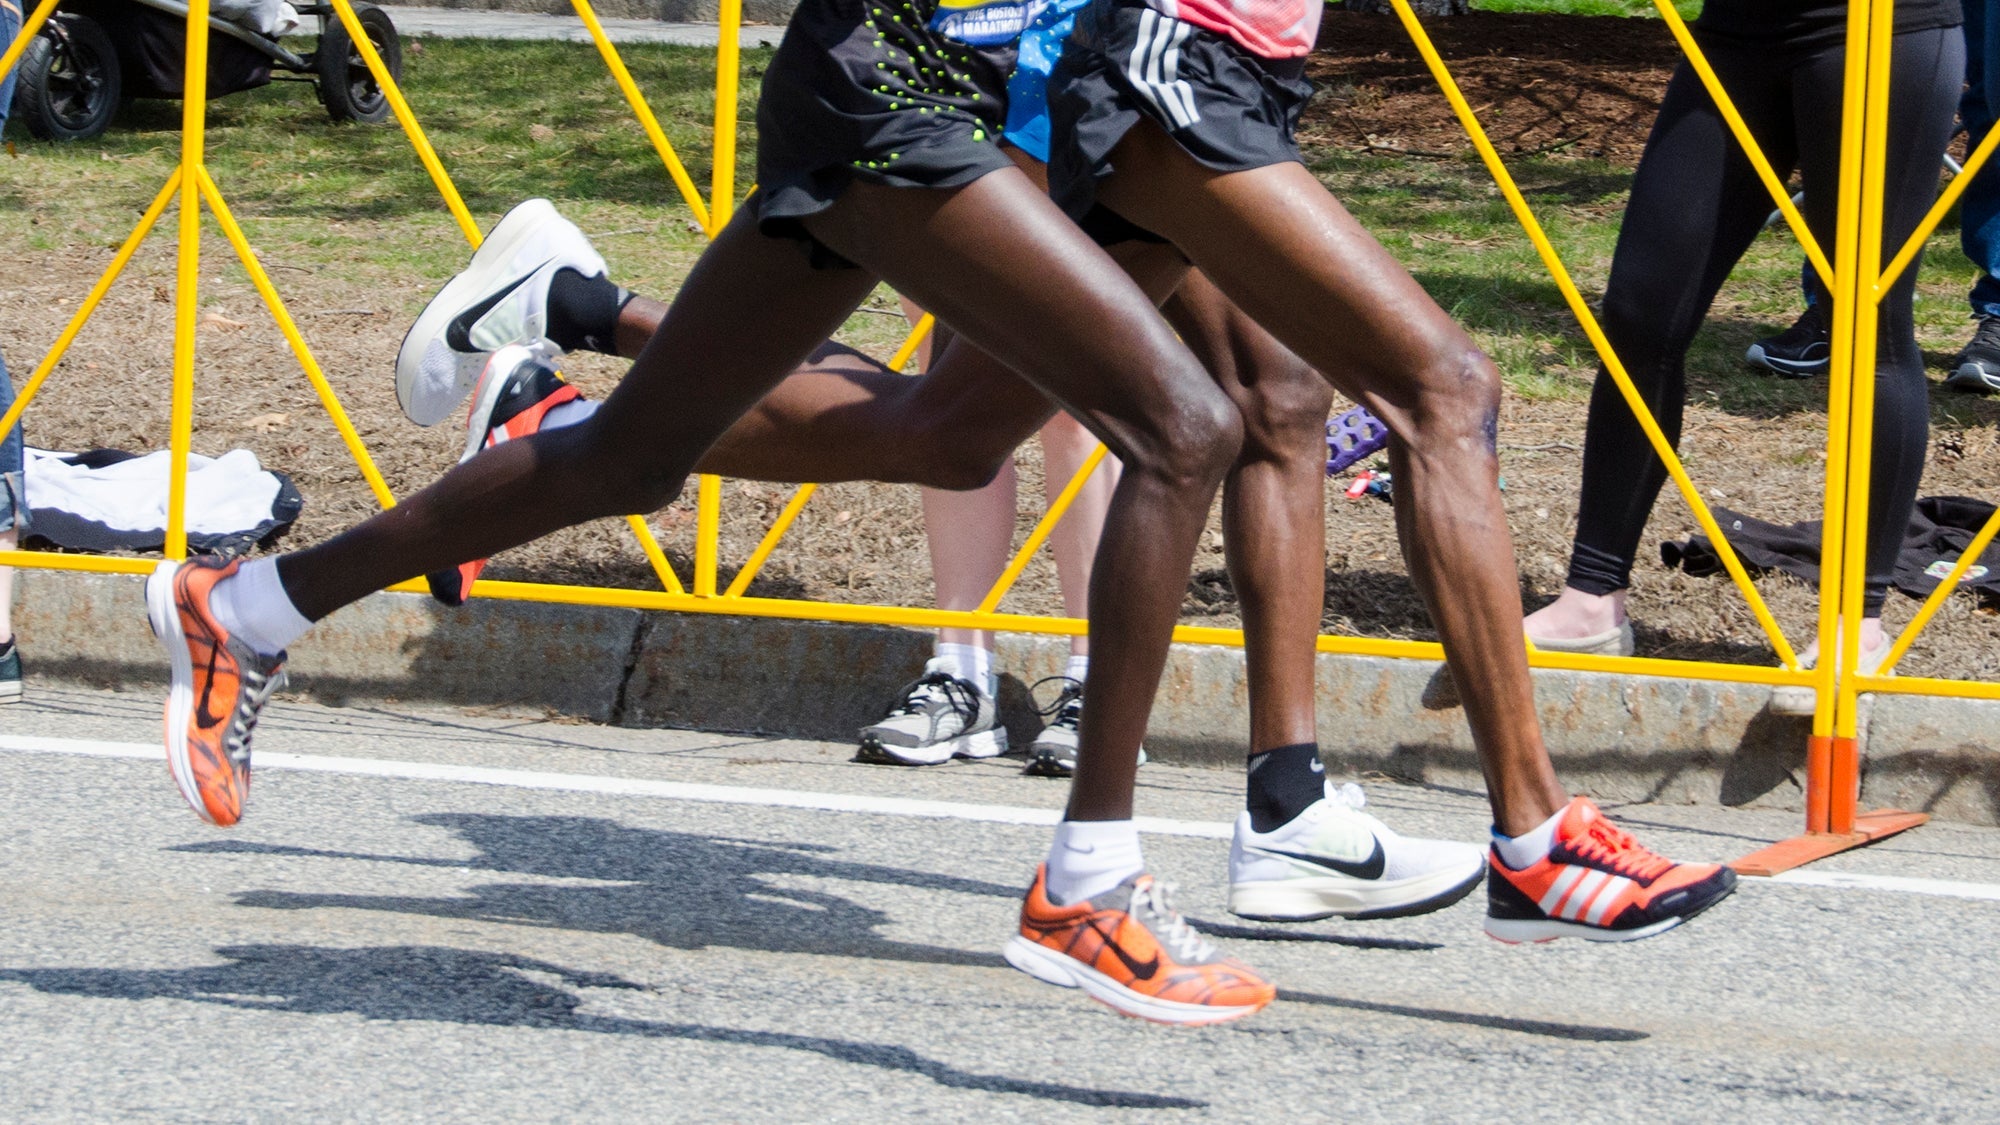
x=446, y=915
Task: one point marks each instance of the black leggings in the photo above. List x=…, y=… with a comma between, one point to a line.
x=1696, y=206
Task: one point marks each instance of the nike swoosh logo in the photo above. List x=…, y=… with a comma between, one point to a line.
x=1142, y=970
x=458, y=334
x=1318, y=766
x=1081, y=851
x=202, y=717
x=1370, y=868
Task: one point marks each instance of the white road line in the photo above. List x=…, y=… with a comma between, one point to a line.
x=622, y=786
x=830, y=802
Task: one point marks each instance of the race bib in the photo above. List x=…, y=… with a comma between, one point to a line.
x=984, y=23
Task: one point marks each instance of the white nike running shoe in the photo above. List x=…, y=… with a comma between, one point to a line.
x=1335, y=860
x=501, y=298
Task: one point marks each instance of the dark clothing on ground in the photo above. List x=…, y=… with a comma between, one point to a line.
x=1941, y=528
x=1696, y=206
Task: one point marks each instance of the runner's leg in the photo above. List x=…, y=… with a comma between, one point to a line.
x=1348, y=308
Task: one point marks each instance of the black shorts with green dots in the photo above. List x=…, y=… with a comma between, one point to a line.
x=866, y=90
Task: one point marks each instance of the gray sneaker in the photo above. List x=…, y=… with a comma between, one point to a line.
x=1053, y=753
x=10, y=673
x=1977, y=367
x=938, y=718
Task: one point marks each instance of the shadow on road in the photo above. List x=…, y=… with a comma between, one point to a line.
x=678, y=889
x=463, y=986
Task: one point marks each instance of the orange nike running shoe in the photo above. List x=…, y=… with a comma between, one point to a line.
x=219, y=686
x=1599, y=884
x=1129, y=949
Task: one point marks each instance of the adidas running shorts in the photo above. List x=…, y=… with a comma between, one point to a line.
x=1228, y=108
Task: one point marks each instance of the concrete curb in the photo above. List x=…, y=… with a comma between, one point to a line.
x=1617, y=738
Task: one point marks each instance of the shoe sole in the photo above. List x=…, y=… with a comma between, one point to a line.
x=1973, y=379
x=1313, y=898
x=1524, y=931
x=1050, y=967
x=10, y=692
x=497, y=247
x=1045, y=761
x=983, y=744
x=1790, y=369
x=163, y=614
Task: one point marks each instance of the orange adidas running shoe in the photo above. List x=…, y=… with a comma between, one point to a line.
x=517, y=388
x=219, y=686
x=1599, y=884
x=1131, y=950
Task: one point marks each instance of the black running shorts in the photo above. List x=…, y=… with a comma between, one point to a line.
x=865, y=89
x=1228, y=108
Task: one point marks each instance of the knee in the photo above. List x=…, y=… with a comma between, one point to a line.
x=1191, y=446
x=1281, y=416
x=1457, y=407
x=609, y=477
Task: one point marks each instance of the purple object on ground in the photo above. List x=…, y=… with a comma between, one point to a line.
x=1353, y=436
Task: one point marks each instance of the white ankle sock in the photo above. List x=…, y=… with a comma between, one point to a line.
x=568, y=413
x=967, y=662
x=1090, y=857
x=1529, y=847
x=1078, y=668
x=253, y=606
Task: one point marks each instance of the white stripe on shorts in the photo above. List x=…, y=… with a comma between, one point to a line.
x=1154, y=66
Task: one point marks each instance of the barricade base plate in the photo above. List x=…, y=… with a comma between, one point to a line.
x=1801, y=850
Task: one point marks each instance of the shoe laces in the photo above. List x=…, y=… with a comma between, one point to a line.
x=934, y=687
x=1606, y=843
x=258, y=685
x=1987, y=335
x=1181, y=940
x=1347, y=795
x=1068, y=706
x=1808, y=328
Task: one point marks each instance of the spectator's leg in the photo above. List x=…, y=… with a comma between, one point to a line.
x=1979, y=207
x=1696, y=205
x=1926, y=67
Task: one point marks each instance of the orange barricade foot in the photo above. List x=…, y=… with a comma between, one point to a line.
x=1801, y=850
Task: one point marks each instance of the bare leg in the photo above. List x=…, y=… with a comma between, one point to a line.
x=1125, y=377
x=1273, y=506
x=1065, y=447
x=1348, y=308
x=994, y=259
x=750, y=312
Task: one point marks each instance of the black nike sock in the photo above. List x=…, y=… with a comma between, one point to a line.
x=1284, y=783
x=583, y=312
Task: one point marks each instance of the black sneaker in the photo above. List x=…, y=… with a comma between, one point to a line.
x=1799, y=352
x=10, y=673
x=1977, y=368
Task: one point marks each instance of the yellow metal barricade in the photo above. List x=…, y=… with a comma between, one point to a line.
x=1856, y=283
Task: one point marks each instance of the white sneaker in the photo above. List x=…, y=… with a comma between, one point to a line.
x=1798, y=701
x=501, y=298
x=938, y=718
x=1335, y=860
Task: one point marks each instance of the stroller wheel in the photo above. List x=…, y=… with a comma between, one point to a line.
x=70, y=83
x=346, y=86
